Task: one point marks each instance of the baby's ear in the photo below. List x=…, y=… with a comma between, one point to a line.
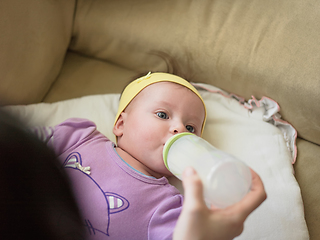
x=119, y=125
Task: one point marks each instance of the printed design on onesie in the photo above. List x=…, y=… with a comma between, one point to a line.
x=96, y=205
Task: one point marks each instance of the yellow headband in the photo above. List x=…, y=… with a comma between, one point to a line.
x=139, y=84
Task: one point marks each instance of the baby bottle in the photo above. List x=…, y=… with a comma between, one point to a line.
x=226, y=180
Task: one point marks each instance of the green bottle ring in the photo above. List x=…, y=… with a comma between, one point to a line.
x=169, y=143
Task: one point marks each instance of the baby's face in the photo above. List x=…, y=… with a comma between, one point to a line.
x=158, y=112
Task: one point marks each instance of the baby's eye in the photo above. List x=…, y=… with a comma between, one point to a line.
x=190, y=128
x=162, y=115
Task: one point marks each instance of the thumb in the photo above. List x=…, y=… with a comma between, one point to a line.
x=193, y=189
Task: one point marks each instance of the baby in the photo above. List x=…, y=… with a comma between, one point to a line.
x=122, y=189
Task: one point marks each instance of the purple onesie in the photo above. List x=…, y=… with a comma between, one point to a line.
x=116, y=201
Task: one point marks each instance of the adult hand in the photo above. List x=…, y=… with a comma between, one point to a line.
x=197, y=221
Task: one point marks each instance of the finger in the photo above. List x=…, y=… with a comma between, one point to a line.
x=193, y=189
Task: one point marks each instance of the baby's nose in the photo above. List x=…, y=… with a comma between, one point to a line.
x=178, y=128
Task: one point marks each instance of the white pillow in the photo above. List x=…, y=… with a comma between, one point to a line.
x=252, y=131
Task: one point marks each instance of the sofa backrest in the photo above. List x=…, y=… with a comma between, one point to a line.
x=261, y=48
x=34, y=37
x=251, y=47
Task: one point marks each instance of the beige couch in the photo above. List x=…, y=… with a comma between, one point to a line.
x=53, y=50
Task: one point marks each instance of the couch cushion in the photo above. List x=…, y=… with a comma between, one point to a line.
x=82, y=76
x=307, y=173
x=34, y=37
x=251, y=47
